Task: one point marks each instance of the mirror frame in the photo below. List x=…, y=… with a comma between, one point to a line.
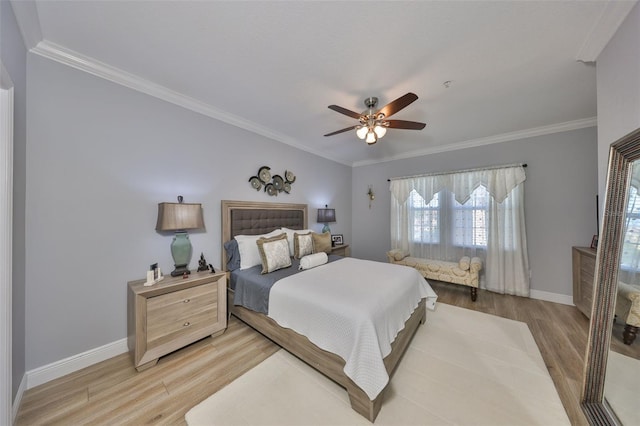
x=622, y=154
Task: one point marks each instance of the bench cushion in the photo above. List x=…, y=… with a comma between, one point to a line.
x=465, y=272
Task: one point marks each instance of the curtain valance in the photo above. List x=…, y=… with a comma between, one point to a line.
x=499, y=182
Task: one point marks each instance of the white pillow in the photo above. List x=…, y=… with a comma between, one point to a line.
x=313, y=260
x=248, y=248
x=290, y=232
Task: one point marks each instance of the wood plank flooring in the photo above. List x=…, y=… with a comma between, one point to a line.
x=113, y=392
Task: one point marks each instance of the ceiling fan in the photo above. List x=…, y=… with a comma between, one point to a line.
x=374, y=124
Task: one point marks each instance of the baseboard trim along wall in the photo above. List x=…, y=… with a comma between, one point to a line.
x=73, y=363
x=18, y=398
x=551, y=297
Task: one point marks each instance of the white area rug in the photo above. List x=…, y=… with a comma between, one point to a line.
x=462, y=367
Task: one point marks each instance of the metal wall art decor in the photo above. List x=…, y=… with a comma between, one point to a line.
x=272, y=184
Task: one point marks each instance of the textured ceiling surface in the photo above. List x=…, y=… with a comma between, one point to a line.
x=274, y=67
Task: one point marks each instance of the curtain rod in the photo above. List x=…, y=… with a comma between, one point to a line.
x=459, y=171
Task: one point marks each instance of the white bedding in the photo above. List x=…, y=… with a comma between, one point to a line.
x=353, y=308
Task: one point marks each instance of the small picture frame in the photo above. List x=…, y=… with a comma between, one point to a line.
x=154, y=269
x=337, y=240
x=154, y=275
x=594, y=242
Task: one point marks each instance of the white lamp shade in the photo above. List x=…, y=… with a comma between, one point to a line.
x=371, y=137
x=380, y=131
x=362, y=132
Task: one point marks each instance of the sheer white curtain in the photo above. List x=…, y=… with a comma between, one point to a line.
x=630, y=258
x=470, y=213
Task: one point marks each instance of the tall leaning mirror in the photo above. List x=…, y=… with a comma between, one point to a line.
x=612, y=369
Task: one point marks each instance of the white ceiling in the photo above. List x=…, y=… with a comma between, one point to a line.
x=273, y=67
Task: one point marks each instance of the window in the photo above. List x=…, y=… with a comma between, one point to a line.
x=467, y=228
x=630, y=258
x=470, y=219
x=428, y=222
x=425, y=218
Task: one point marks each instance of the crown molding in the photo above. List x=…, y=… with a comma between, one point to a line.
x=92, y=66
x=504, y=137
x=26, y=14
x=612, y=16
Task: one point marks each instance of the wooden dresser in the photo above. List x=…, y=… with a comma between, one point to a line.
x=173, y=313
x=584, y=266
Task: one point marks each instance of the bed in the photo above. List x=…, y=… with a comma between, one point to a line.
x=256, y=218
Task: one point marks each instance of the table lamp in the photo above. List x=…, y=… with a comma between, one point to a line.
x=326, y=216
x=180, y=217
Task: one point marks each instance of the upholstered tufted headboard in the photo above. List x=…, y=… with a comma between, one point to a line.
x=254, y=217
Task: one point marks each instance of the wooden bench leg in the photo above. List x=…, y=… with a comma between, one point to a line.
x=474, y=294
x=629, y=334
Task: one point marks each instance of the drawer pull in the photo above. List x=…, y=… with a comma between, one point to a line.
x=187, y=300
x=186, y=324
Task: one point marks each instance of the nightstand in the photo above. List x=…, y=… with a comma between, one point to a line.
x=341, y=250
x=173, y=313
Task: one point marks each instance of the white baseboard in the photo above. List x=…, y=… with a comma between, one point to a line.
x=18, y=398
x=551, y=297
x=65, y=366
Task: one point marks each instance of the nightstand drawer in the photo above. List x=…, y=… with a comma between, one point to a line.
x=187, y=300
x=183, y=310
x=159, y=335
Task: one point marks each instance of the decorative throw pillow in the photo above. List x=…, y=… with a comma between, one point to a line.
x=233, y=255
x=464, y=263
x=290, y=236
x=249, y=254
x=400, y=254
x=321, y=242
x=303, y=245
x=274, y=253
x=313, y=260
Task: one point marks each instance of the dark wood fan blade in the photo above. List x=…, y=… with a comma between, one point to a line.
x=345, y=111
x=392, y=107
x=403, y=124
x=342, y=130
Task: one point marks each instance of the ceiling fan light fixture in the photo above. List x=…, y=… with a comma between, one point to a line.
x=373, y=124
x=380, y=131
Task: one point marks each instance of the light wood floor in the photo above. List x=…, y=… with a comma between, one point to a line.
x=112, y=392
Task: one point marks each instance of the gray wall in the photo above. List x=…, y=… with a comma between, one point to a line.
x=618, y=82
x=99, y=159
x=14, y=54
x=560, y=198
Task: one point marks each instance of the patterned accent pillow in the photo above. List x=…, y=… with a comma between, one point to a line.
x=274, y=253
x=303, y=245
x=249, y=255
x=290, y=236
x=321, y=242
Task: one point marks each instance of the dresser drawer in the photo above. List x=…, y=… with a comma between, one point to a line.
x=588, y=265
x=181, y=311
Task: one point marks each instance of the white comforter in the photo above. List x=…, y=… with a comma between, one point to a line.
x=353, y=308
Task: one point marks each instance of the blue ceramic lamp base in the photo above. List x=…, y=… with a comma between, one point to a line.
x=181, y=251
